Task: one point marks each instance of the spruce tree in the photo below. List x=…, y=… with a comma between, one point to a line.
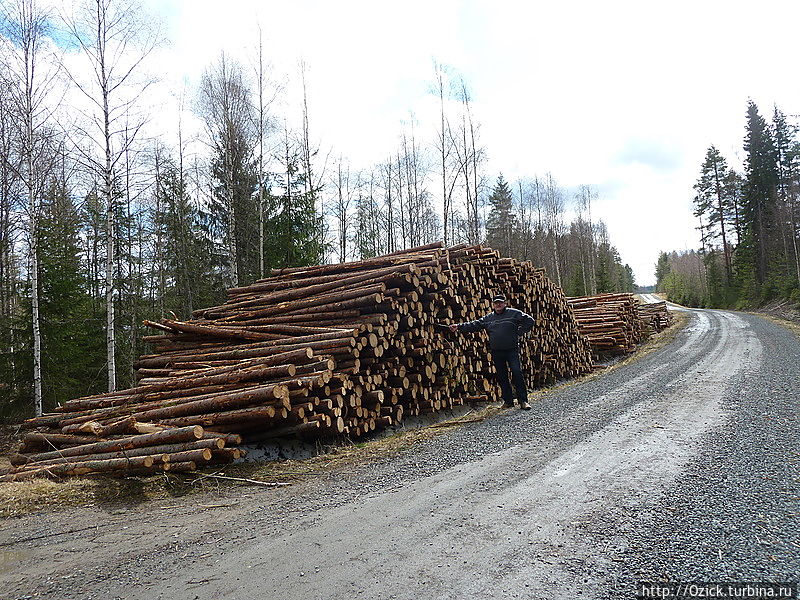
x=502, y=224
x=662, y=269
x=191, y=280
x=758, y=246
x=787, y=152
x=603, y=269
x=235, y=203
x=293, y=225
x=733, y=186
x=72, y=338
x=626, y=279
x=576, y=282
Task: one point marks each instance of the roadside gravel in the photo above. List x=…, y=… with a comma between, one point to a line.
x=734, y=514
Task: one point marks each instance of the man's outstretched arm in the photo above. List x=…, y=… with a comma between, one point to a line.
x=469, y=326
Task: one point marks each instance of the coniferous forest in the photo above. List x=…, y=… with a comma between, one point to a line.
x=749, y=224
x=106, y=221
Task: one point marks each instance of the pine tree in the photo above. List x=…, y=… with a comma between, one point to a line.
x=712, y=205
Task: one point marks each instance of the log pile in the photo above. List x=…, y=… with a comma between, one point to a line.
x=611, y=322
x=655, y=316
x=44, y=453
x=312, y=352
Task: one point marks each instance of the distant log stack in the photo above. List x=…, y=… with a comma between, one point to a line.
x=655, y=316
x=611, y=322
x=310, y=352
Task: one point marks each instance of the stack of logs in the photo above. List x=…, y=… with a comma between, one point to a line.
x=655, y=316
x=611, y=322
x=312, y=352
x=45, y=453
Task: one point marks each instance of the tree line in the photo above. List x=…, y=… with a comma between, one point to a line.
x=105, y=222
x=749, y=224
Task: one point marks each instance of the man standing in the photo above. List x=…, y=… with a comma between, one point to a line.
x=504, y=325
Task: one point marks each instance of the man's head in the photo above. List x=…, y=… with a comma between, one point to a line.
x=499, y=303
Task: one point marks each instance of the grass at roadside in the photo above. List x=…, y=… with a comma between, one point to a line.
x=21, y=498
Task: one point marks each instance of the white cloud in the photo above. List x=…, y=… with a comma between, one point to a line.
x=626, y=95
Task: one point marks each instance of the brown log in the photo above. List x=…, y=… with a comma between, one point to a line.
x=91, y=466
x=36, y=439
x=177, y=467
x=258, y=413
x=216, y=402
x=196, y=456
x=170, y=436
x=154, y=451
x=228, y=454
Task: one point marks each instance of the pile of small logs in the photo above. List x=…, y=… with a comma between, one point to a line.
x=655, y=316
x=611, y=322
x=312, y=352
x=156, y=448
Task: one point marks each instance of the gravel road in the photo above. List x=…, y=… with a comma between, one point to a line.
x=682, y=465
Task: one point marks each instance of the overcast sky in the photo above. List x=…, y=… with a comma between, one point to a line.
x=626, y=96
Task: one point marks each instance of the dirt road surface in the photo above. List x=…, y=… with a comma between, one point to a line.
x=682, y=465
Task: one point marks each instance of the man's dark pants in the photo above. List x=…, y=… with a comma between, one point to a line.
x=505, y=360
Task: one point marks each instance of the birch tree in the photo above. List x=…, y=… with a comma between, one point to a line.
x=9, y=182
x=469, y=157
x=387, y=182
x=346, y=186
x=313, y=177
x=450, y=168
x=114, y=41
x=554, y=211
x=265, y=95
x=32, y=69
x=586, y=195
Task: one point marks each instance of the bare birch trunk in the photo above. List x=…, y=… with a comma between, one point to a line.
x=390, y=243
x=556, y=259
x=260, y=156
x=443, y=151
x=403, y=211
x=474, y=154
x=592, y=252
x=108, y=183
x=34, y=265
x=232, y=247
